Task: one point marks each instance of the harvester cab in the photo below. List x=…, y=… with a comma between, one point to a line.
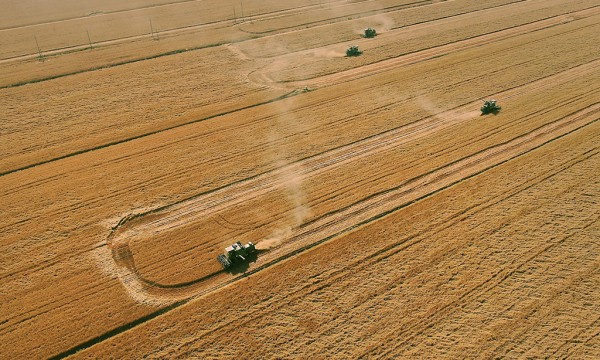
x=490, y=107
x=236, y=253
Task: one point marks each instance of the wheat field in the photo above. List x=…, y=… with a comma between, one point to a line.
x=391, y=218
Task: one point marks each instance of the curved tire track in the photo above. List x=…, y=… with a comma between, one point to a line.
x=345, y=219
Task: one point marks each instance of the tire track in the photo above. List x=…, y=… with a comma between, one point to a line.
x=347, y=218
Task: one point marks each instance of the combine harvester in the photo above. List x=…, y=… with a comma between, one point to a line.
x=490, y=107
x=370, y=33
x=236, y=254
x=353, y=51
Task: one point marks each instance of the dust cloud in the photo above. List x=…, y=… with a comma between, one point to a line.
x=290, y=176
x=426, y=104
x=381, y=22
x=275, y=239
x=326, y=53
x=436, y=111
x=287, y=124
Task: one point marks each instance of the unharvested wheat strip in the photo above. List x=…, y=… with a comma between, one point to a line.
x=245, y=190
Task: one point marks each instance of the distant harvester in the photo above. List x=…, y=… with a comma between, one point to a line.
x=370, y=32
x=490, y=107
x=353, y=51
